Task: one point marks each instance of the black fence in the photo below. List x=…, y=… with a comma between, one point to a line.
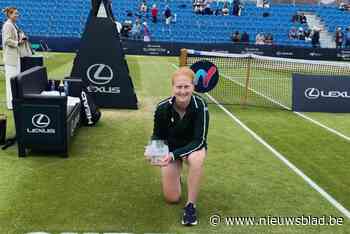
x=173, y=49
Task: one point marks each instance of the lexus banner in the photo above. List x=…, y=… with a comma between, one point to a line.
x=313, y=93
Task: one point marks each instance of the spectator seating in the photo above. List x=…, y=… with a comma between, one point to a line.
x=333, y=17
x=56, y=18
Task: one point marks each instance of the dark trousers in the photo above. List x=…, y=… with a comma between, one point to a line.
x=338, y=44
x=347, y=43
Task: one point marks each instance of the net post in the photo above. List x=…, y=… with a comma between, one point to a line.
x=183, y=57
x=247, y=81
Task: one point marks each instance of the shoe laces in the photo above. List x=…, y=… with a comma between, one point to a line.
x=189, y=209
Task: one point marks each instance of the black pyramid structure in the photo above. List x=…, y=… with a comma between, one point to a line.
x=100, y=61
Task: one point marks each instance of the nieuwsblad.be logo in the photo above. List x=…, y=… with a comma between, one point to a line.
x=100, y=77
x=40, y=124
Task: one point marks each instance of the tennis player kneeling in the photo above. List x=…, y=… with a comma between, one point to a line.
x=182, y=121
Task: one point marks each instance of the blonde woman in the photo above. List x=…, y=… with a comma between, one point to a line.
x=12, y=38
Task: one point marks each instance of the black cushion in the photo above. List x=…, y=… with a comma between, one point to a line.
x=32, y=81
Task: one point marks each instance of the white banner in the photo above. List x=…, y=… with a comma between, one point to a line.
x=328, y=1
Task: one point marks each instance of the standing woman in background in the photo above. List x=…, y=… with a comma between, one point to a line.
x=12, y=38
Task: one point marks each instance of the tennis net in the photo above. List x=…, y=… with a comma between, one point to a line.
x=250, y=79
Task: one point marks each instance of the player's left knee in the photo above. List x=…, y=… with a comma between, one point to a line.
x=197, y=158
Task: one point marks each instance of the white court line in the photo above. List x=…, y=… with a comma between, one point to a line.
x=295, y=112
x=324, y=194
x=323, y=126
x=309, y=181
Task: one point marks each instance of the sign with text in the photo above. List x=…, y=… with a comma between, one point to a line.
x=101, y=64
x=41, y=125
x=318, y=93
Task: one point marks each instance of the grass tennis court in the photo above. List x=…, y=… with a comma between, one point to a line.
x=105, y=184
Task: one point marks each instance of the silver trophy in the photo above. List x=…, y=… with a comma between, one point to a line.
x=156, y=150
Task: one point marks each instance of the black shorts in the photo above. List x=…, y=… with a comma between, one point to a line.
x=204, y=146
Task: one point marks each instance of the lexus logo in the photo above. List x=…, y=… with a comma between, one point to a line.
x=41, y=121
x=99, y=74
x=312, y=93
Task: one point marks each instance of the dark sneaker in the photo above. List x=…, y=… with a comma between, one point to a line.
x=190, y=217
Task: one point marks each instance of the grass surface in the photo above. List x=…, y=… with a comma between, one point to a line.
x=105, y=185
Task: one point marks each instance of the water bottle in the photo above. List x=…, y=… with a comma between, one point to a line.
x=52, y=85
x=66, y=86
x=61, y=89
